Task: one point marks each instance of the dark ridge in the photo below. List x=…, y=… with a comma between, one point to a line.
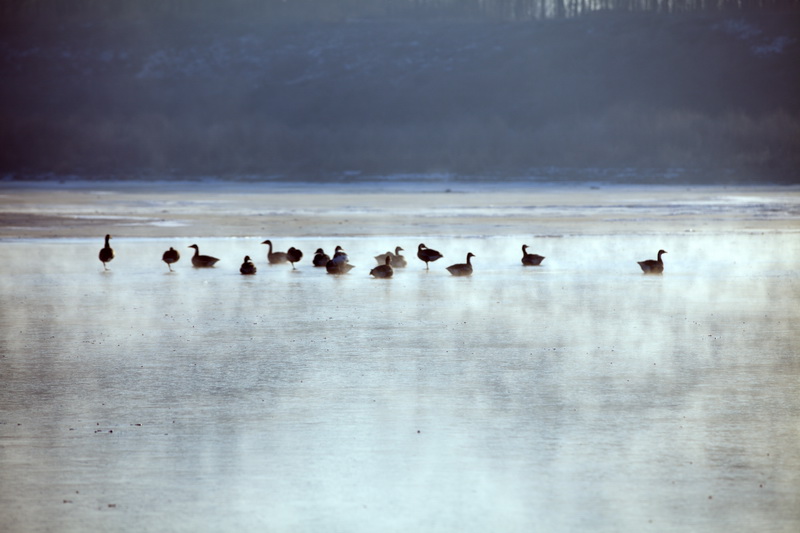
x=704, y=96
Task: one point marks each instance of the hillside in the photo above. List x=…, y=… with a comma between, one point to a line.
x=704, y=96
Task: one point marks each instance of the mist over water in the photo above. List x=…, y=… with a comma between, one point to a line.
x=578, y=394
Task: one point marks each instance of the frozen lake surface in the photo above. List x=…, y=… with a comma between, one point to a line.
x=579, y=395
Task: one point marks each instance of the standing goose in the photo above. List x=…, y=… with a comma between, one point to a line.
x=106, y=253
x=427, y=254
x=171, y=256
x=653, y=266
x=293, y=255
x=383, y=271
x=274, y=258
x=247, y=268
x=530, y=259
x=398, y=261
x=202, y=261
x=462, y=269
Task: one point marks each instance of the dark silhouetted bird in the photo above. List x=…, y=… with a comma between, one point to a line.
x=247, y=268
x=462, y=269
x=171, y=256
x=530, y=259
x=428, y=254
x=340, y=263
x=320, y=258
x=106, y=253
x=340, y=256
x=202, y=261
x=383, y=271
x=274, y=258
x=293, y=255
x=653, y=266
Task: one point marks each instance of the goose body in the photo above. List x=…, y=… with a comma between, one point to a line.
x=530, y=259
x=462, y=269
x=427, y=254
x=171, y=256
x=106, y=253
x=338, y=268
x=320, y=258
x=383, y=271
x=202, y=261
x=247, y=268
x=275, y=258
x=653, y=266
x=381, y=258
x=293, y=255
x=397, y=260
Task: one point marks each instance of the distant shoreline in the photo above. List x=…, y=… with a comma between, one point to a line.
x=138, y=209
x=414, y=181
x=623, y=97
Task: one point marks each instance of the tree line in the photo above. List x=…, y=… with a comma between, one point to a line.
x=508, y=10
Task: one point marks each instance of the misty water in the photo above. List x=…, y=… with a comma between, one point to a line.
x=579, y=395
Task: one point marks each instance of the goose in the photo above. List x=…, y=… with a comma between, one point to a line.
x=247, y=268
x=427, y=254
x=462, y=269
x=320, y=258
x=398, y=261
x=340, y=256
x=171, y=256
x=274, y=258
x=530, y=259
x=106, y=253
x=381, y=258
x=653, y=266
x=293, y=255
x=202, y=261
x=340, y=263
x=383, y=271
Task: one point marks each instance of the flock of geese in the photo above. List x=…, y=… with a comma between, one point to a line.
x=340, y=263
